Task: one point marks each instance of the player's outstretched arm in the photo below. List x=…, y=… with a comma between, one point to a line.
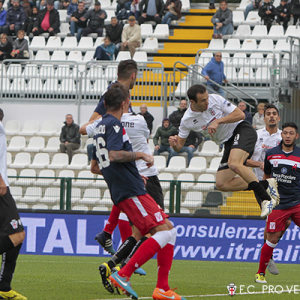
x=176, y=142
x=126, y=156
x=94, y=116
x=95, y=167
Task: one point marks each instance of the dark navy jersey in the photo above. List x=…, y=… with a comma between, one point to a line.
x=123, y=179
x=285, y=167
x=100, y=108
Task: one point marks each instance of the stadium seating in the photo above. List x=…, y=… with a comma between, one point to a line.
x=197, y=165
x=176, y=164
x=40, y=161
x=59, y=161
x=12, y=127
x=22, y=160
x=192, y=200
x=17, y=144
x=206, y=182
x=36, y=144
x=26, y=181
x=42, y=180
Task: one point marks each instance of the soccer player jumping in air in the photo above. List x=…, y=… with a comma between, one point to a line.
x=225, y=123
x=283, y=163
x=114, y=159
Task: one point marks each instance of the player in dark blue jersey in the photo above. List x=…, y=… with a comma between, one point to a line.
x=114, y=159
x=127, y=72
x=282, y=163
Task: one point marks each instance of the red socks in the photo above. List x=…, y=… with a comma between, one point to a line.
x=164, y=263
x=142, y=255
x=112, y=220
x=265, y=256
x=125, y=230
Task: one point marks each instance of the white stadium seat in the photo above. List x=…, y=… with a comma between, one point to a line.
x=36, y=144
x=207, y=182
x=239, y=59
x=161, y=31
x=53, y=43
x=282, y=45
x=51, y=196
x=237, y=17
x=253, y=18
x=26, y=181
x=52, y=145
x=216, y=44
x=16, y=144
x=30, y=127
x=16, y=192
x=64, y=29
x=182, y=88
x=62, y=15
x=12, y=127
x=192, y=200
x=59, y=55
x=197, y=165
x=42, y=55
x=65, y=174
x=146, y=30
x=38, y=43
x=83, y=182
x=276, y=32
x=209, y=148
x=45, y=181
x=160, y=162
x=40, y=206
x=79, y=161
x=69, y=43
x=11, y=172
x=249, y=44
x=233, y=44
x=214, y=165
x=266, y=45
x=186, y=6
x=150, y=44
x=259, y=31
x=32, y=195
x=59, y=161
x=91, y=196
x=86, y=43
x=243, y=31
x=140, y=56
x=176, y=164
x=49, y=128
x=186, y=177
x=165, y=176
x=40, y=161
x=75, y=56
x=8, y=158
x=22, y=160
x=123, y=55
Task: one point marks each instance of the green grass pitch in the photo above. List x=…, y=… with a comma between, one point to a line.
x=77, y=278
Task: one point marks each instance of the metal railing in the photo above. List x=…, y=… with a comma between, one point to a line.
x=88, y=194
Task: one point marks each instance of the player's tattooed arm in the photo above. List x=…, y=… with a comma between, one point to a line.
x=126, y=156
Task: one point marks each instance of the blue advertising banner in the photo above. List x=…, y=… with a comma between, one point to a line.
x=197, y=238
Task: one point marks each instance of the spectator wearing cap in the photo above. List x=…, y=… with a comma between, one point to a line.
x=15, y=18
x=95, y=18
x=173, y=11
x=161, y=138
x=131, y=36
x=106, y=50
x=76, y=24
x=114, y=31
x=47, y=21
x=283, y=14
x=3, y=12
x=151, y=10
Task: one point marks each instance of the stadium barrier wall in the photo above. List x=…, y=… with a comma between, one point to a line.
x=197, y=238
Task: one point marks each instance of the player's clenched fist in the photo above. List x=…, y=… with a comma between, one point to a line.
x=149, y=159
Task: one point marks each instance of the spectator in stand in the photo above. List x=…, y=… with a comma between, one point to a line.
x=248, y=117
x=42, y=5
x=173, y=11
x=151, y=10
x=135, y=9
x=47, y=21
x=95, y=18
x=267, y=12
x=64, y=5
x=295, y=10
x=211, y=4
x=26, y=7
x=5, y=47
x=30, y=20
x=15, y=18
x=147, y=116
x=283, y=14
x=20, y=47
x=123, y=9
x=214, y=70
x=176, y=116
x=106, y=50
x=222, y=21
x=76, y=24
x=114, y=31
x=69, y=137
x=191, y=144
x=131, y=36
x=259, y=118
x=254, y=5
x=3, y=13
x=163, y=133
x=72, y=7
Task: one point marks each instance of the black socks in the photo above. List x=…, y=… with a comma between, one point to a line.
x=259, y=190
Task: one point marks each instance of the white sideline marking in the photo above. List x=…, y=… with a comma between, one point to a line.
x=203, y=296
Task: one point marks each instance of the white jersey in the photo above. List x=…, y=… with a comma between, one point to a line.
x=218, y=107
x=138, y=132
x=3, y=154
x=265, y=141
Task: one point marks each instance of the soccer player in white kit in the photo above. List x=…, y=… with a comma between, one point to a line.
x=225, y=123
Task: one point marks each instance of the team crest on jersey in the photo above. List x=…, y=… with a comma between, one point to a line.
x=14, y=224
x=212, y=112
x=116, y=128
x=272, y=225
x=275, y=163
x=284, y=170
x=195, y=121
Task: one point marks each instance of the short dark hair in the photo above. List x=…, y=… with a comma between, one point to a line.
x=290, y=124
x=126, y=68
x=114, y=97
x=1, y=114
x=221, y=1
x=194, y=90
x=269, y=106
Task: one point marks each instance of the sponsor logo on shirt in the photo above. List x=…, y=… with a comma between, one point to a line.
x=284, y=170
x=236, y=139
x=116, y=128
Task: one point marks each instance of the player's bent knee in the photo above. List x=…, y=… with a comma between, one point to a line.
x=234, y=166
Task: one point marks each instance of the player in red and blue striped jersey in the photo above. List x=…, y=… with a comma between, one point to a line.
x=282, y=163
